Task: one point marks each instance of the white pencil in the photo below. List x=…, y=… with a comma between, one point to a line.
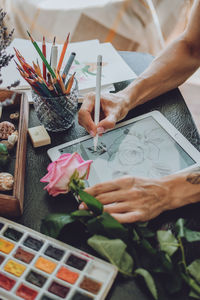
x=98, y=97
x=54, y=57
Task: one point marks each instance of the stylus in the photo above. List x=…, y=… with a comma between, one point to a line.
x=98, y=97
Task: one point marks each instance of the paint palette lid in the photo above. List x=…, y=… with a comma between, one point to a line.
x=36, y=267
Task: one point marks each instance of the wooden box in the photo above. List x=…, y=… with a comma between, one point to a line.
x=11, y=203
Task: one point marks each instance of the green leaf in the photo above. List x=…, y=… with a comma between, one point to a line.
x=164, y=263
x=149, y=281
x=147, y=246
x=143, y=230
x=194, y=269
x=105, y=224
x=114, y=250
x=92, y=203
x=136, y=237
x=81, y=213
x=194, y=295
x=167, y=241
x=191, y=282
x=192, y=236
x=112, y=226
x=184, y=232
x=146, y=233
x=95, y=227
x=53, y=224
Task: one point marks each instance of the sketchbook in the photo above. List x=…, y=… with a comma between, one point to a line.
x=114, y=68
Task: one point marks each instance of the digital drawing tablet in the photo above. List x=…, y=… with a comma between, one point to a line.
x=145, y=146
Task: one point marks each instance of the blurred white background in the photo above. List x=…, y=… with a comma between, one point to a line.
x=129, y=25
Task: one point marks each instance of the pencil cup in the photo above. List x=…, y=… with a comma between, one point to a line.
x=57, y=113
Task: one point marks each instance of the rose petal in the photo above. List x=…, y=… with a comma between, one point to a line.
x=49, y=175
x=84, y=168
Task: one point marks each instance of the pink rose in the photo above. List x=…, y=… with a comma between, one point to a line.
x=61, y=170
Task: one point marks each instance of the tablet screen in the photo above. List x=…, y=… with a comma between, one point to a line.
x=142, y=148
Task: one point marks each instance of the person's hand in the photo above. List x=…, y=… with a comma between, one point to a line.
x=130, y=199
x=114, y=107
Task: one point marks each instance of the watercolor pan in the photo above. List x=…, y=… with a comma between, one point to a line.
x=36, y=267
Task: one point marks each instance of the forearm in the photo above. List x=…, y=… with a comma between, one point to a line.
x=184, y=188
x=174, y=65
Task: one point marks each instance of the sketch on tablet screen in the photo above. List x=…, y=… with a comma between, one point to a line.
x=100, y=149
x=133, y=149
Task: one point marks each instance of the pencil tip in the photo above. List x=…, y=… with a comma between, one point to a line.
x=32, y=40
x=68, y=37
x=54, y=40
x=43, y=39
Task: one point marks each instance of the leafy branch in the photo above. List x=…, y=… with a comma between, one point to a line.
x=5, y=40
x=157, y=257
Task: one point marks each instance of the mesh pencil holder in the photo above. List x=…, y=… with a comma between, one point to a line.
x=57, y=113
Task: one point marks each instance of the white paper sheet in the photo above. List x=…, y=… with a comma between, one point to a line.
x=114, y=68
x=26, y=48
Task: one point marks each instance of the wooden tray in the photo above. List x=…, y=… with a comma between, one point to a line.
x=11, y=204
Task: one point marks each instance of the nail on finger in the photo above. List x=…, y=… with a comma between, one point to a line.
x=100, y=130
x=92, y=133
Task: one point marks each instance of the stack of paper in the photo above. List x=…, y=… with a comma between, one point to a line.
x=114, y=67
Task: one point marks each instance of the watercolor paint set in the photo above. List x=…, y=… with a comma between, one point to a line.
x=36, y=267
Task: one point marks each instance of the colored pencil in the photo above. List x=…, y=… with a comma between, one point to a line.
x=37, y=70
x=70, y=83
x=54, y=56
x=53, y=85
x=61, y=83
x=42, y=56
x=23, y=63
x=54, y=42
x=49, y=80
x=63, y=53
x=57, y=87
x=64, y=78
x=68, y=64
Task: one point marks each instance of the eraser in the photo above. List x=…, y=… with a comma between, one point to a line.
x=39, y=136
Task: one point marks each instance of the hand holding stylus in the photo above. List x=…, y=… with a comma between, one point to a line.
x=113, y=108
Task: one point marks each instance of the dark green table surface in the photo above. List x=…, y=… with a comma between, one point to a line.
x=37, y=203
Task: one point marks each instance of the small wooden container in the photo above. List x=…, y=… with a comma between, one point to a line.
x=11, y=204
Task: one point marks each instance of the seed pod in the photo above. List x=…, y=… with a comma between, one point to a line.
x=14, y=116
x=6, y=129
x=6, y=181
